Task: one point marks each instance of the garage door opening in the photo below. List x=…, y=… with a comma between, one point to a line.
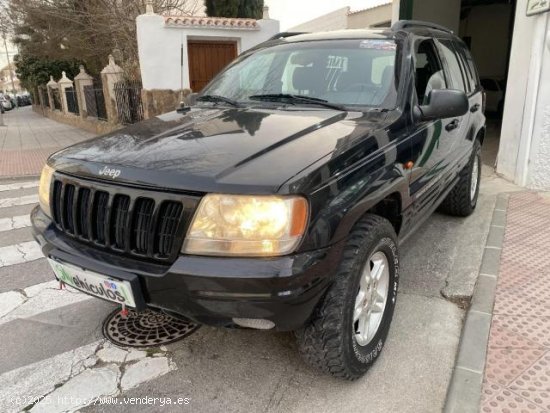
x=487, y=27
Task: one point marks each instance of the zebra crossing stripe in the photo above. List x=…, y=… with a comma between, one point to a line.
x=21, y=221
x=18, y=201
x=20, y=253
x=19, y=185
x=37, y=299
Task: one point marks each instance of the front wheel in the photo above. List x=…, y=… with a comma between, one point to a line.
x=462, y=199
x=349, y=327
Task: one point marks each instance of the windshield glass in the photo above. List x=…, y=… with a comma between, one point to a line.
x=359, y=72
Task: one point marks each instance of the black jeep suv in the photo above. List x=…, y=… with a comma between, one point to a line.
x=279, y=199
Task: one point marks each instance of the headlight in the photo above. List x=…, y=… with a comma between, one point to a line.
x=44, y=189
x=247, y=225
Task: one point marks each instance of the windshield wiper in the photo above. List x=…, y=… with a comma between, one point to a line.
x=297, y=99
x=217, y=98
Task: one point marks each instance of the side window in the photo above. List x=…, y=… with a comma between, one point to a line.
x=453, y=65
x=469, y=75
x=474, y=80
x=429, y=74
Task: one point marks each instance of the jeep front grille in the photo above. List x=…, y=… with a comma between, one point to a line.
x=140, y=223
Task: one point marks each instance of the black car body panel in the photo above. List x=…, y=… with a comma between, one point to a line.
x=346, y=163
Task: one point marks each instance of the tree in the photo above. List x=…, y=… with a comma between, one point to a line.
x=33, y=71
x=252, y=9
x=85, y=30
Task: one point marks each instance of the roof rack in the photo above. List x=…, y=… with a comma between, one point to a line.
x=283, y=35
x=404, y=24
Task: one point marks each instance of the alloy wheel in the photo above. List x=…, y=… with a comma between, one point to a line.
x=371, y=299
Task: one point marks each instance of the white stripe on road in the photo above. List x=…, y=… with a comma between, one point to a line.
x=19, y=185
x=37, y=299
x=18, y=201
x=74, y=379
x=21, y=221
x=20, y=253
x=38, y=379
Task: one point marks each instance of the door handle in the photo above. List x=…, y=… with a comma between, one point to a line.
x=474, y=108
x=452, y=125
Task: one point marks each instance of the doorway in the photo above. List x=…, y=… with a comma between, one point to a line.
x=207, y=59
x=487, y=27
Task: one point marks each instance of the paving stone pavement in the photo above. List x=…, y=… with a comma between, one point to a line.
x=29, y=138
x=517, y=369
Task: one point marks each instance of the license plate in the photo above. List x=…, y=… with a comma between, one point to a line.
x=95, y=284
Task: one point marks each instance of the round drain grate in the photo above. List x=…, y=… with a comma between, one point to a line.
x=145, y=329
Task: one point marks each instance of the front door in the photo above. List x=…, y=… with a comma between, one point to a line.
x=429, y=140
x=207, y=59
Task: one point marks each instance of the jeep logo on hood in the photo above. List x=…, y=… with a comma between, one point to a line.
x=106, y=171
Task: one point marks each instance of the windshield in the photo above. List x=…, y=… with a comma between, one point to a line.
x=359, y=72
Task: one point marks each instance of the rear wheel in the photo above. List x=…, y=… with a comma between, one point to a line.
x=349, y=328
x=462, y=199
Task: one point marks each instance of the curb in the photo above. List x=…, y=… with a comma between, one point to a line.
x=464, y=392
x=17, y=178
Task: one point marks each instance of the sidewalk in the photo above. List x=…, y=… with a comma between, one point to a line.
x=517, y=369
x=28, y=139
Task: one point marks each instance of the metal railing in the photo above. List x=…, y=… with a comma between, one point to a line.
x=95, y=101
x=128, y=101
x=56, y=99
x=72, y=100
x=44, y=99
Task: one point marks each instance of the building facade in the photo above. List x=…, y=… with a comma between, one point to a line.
x=344, y=18
x=510, y=40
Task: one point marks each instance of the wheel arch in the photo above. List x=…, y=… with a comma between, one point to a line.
x=480, y=135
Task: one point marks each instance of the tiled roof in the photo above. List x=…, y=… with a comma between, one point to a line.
x=211, y=22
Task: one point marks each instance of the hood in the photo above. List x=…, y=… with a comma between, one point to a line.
x=216, y=149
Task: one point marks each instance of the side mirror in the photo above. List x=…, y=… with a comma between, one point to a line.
x=443, y=103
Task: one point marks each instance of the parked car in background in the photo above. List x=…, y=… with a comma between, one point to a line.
x=23, y=99
x=279, y=200
x=6, y=102
x=494, y=91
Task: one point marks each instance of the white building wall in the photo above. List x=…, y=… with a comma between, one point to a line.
x=159, y=48
x=444, y=12
x=336, y=20
x=538, y=169
x=523, y=155
x=370, y=17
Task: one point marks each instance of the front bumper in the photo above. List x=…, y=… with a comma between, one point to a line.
x=208, y=290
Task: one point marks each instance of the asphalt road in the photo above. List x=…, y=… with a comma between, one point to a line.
x=52, y=343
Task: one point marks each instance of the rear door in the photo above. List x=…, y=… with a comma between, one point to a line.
x=475, y=93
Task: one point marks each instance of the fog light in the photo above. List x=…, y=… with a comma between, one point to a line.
x=257, y=323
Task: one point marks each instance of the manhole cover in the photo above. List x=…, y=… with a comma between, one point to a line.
x=145, y=329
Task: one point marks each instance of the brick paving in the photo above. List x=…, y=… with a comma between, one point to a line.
x=29, y=138
x=517, y=370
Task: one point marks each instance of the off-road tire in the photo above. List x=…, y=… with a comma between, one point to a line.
x=328, y=341
x=459, y=201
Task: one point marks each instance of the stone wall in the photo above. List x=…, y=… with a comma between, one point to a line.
x=89, y=124
x=156, y=102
